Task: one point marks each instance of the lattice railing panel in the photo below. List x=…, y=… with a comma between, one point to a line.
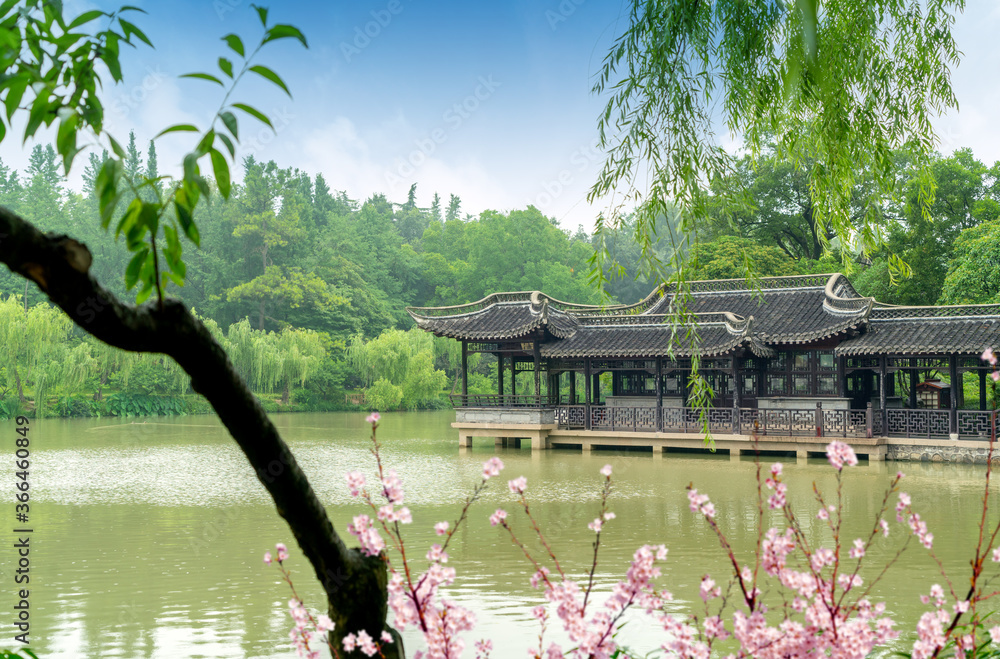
x=571, y=416
x=974, y=424
x=930, y=424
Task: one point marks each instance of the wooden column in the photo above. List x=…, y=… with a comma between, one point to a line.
x=956, y=384
x=572, y=387
x=982, y=390
x=842, y=376
x=513, y=375
x=659, y=394
x=500, y=361
x=737, y=390
x=595, y=387
x=536, y=358
x=586, y=393
x=465, y=373
x=881, y=394
x=913, y=384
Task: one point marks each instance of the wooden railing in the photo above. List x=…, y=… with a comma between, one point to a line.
x=813, y=422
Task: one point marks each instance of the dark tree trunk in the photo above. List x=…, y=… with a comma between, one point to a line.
x=355, y=585
x=285, y=394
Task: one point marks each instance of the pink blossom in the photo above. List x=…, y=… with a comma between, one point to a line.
x=539, y=613
x=355, y=482
x=492, y=467
x=823, y=514
x=323, y=623
x=373, y=418
x=996, y=555
x=995, y=375
x=483, y=648
x=859, y=548
x=386, y=637
x=282, y=551
x=962, y=606
x=606, y=471
x=436, y=555
x=608, y=517
x=366, y=643
x=518, y=485
x=995, y=634
x=884, y=525
x=700, y=503
x=596, y=525
x=840, y=454
x=776, y=469
x=267, y=558
x=371, y=542
x=499, y=516
x=441, y=528
x=708, y=589
x=392, y=487
x=988, y=356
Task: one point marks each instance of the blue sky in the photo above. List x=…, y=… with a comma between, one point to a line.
x=487, y=100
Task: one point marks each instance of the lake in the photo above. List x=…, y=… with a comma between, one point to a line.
x=149, y=534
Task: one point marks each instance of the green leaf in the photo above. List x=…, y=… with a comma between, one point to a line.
x=229, y=144
x=187, y=223
x=205, y=144
x=235, y=44
x=86, y=17
x=204, y=76
x=15, y=91
x=284, y=32
x=255, y=113
x=221, y=169
x=129, y=217
x=262, y=13
x=229, y=119
x=116, y=147
x=144, y=294
x=149, y=216
x=268, y=74
x=226, y=66
x=132, y=271
x=129, y=29
x=177, y=128
x=66, y=138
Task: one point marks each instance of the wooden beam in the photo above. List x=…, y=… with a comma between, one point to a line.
x=465, y=371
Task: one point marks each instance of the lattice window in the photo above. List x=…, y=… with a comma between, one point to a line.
x=635, y=384
x=862, y=362
x=671, y=386
x=826, y=361
x=826, y=385
x=749, y=383
x=777, y=385
x=802, y=361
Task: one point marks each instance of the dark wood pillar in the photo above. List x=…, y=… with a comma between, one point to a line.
x=513, y=375
x=737, y=390
x=842, y=377
x=536, y=358
x=683, y=377
x=881, y=394
x=500, y=361
x=572, y=387
x=465, y=372
x=659, y=394
x=956, y=385
x=586, y=393
x=595, y=387
x=913, y=384
x=982, y=390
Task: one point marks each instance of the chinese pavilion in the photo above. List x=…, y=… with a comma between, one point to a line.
x=802, y=355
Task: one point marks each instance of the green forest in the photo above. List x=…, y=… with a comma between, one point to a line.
x=306, y=286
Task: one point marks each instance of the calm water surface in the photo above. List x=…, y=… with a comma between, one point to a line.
x=149, y=536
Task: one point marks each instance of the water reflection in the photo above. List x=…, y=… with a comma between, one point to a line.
x=149, y=535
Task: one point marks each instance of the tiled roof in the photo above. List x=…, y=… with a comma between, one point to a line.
x=728, y=314
x=965, y=329
x=652, y=335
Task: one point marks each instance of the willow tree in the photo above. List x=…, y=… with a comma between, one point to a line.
x=28, y=339
x=397, y=367
x=53, y=72
x=841, y=84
